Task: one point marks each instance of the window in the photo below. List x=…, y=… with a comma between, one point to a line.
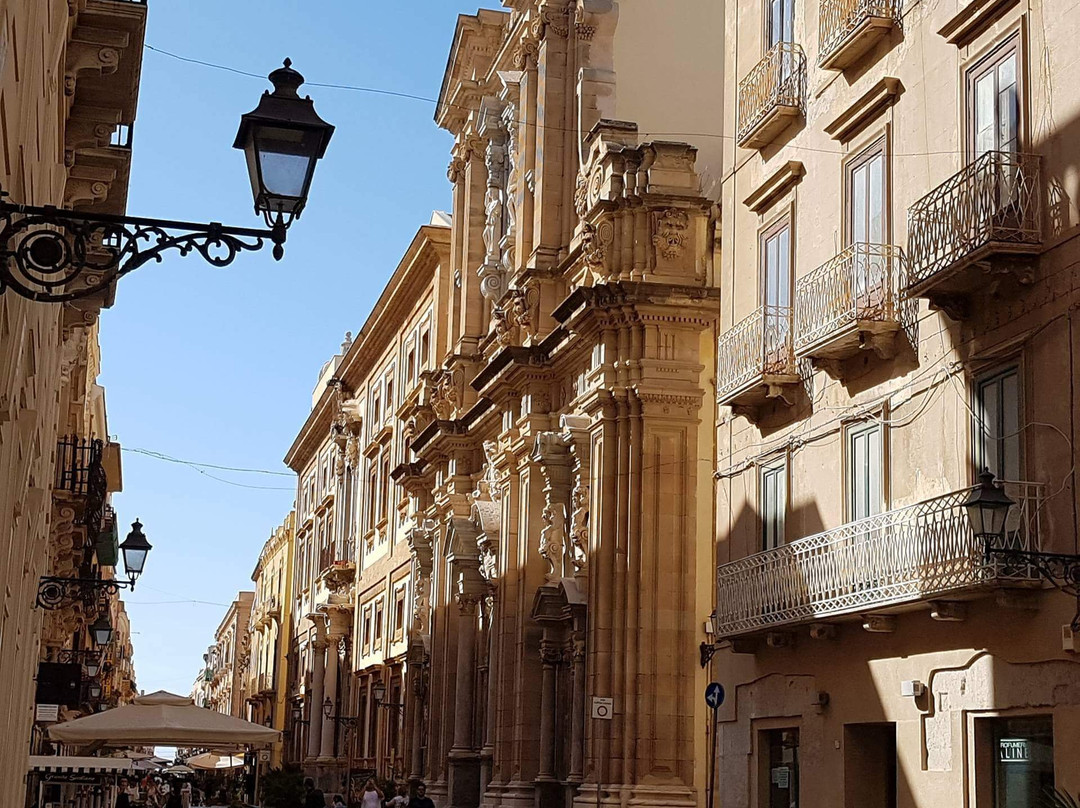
x=386, y=488
x=410, y=365
x=994, y=101
x=773, y=503
x=425, y=348
x=997, y=430
x=776, y=266
x=865, y=466
x=1015, y=761
x=367, y=629
x=779, y=22
x=778, y=755
x=378, y=622
x=867, y=197
x=399, y=612
x=373, y=494
x=390, y=393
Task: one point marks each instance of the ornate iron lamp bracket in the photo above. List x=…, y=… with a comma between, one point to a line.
x=52, y=255
x=1061, y=570
x=57, y=593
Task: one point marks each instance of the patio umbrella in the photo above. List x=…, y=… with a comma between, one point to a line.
x=208, y=760
x=162, y=719
x=179, y=769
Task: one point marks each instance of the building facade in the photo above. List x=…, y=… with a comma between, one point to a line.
x=69, y=76
x=898, y=286
x=269, y=630
x=226, y=690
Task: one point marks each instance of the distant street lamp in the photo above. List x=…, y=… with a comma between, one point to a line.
x=101, y=630
x=55, y=592
x=53, y=255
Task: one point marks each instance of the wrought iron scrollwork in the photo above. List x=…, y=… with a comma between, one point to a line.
x=81, y=656
x=1060, y=570
x=52, y=255
x=58, y=593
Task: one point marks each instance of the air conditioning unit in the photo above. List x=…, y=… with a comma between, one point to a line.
x=912, y=688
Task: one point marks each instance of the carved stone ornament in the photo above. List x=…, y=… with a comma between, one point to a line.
x=553, y=537
x=579, y=525
x=581, y=193
x=671, y=231
x=445, y=398
x=420, y=539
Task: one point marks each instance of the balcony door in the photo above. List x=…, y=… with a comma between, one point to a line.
x=866, y=226
x=994, y=102
x=775, y=251
x=865, y=471
x=780, y=22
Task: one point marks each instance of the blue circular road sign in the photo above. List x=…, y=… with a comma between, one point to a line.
x=714, y=694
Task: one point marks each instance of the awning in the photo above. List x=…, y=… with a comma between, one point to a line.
x=162, y=719
x=65, y=764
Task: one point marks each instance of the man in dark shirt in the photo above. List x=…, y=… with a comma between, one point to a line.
x=314, y=797
x=421, y=800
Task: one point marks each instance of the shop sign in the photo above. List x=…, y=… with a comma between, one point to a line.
x=1013, y=750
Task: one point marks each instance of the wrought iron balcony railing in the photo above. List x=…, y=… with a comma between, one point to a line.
x=755, y=351
x=79, y=472
x=991, y=205
x=861, y=285
x=905, y=555
x=849, y=28
x=772, y=94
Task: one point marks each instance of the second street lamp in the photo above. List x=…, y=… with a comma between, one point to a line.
x=56, y=592
x=53, y=255
x=101, y=630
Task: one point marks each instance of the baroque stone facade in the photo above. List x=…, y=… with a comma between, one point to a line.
x=69, y=72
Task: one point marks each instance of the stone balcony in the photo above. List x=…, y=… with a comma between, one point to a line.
x=850, y=304
x=772, y=95
x=897, y=559
x=756, y=359
x=983, y=221
x=848, y=29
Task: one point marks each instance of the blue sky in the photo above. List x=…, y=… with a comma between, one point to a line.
x=218, y=365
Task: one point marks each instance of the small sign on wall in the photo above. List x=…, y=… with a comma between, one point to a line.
x=1013, y=750
x=603, y=708
x=47, y=712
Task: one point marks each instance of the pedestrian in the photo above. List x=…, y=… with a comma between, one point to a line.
x=339, y=801
x=372, y=797
x=122, y=798
x=174, y=800
x=400, y=800
x=314, y=798
x=421, y=800
x=185, y=794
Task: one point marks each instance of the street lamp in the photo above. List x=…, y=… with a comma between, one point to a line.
x=55, y=592
x=54, y=255
x=101, y=630
x=283, y=138
x=94, y=691
x=378, y=693
x=988, y=508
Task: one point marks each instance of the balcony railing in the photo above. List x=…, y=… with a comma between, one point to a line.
x=905, y=555
x=848, y=28
x=754, y=351
x=860, y=285
x=79, y=472
x=991, y=205
x=772, y=94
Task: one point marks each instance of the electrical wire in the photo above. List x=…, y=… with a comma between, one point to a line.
x=201, y=469
x=543, y=126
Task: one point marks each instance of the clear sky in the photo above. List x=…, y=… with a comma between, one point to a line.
x=218, y=365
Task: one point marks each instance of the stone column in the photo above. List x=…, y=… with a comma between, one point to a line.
x=577, y=721
x=316, y=715
x=416, y=762
x=549, y=657
x=464, y=786
x=330, y=681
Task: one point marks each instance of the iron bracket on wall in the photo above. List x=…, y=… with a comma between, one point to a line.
x=57, y=593
x=1061, y=570
x=44, y=251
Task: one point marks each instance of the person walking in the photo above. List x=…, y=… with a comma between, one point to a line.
x=372, y=797
x=421, y=800
x=122, y=798
x=185, y=794
x=339, y=801
x=174, y=800
x=313, y=797
x=400, y=800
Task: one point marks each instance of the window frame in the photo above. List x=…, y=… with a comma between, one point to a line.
x=984, y=62
x=776, y=465
x=977, y=454
x=850, y=430
x=877, y=145
x=765, y=234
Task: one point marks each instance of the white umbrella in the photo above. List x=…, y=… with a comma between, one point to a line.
x=208, y=760
x=179, y=769
x=162, y=719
